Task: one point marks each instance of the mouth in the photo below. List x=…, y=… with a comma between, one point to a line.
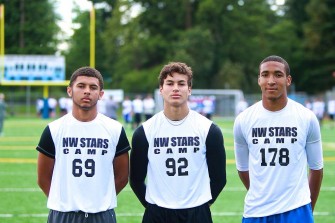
x=175, y=96
x=86, y=99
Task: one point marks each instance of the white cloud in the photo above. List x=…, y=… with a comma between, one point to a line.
x=65, y=7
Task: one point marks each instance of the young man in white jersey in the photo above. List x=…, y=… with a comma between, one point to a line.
x=178, y=161
x=275, y=141
x=83, y=157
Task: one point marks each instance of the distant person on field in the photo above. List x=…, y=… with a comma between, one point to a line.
x=308, y=105
x=127, y=111
x=275, y=140
x=241, y=106
x=208, y=107
x=39, y=107
x=102, y=106
x=2, y=112
x=111, y=107
x=148, y=106
x=83, y=157
x=331, y=110
x=318, y=107
x=137, y=104
x=62, y=102
x=69, y=104
x=52, y=103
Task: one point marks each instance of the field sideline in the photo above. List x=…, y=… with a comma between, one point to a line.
x=21, y=201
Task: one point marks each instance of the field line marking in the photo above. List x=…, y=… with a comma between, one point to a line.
x=18, y=160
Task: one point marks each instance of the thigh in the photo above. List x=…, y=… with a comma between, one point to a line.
x=154, y=214
x=200, y=214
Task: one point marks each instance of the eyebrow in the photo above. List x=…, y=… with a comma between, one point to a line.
x=169, y=80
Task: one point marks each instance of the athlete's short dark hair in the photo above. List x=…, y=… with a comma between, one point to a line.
x=277, y=59
x=87, y=72
x=176, y=67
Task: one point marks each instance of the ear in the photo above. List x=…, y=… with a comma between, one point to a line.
x=189, y=91
x=101, y=94
x=259, y=80
x=69, y=91
x=289, y=80
x=160, y=89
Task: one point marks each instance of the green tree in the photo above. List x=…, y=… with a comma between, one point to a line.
x=78, y=54
x=30, y=27
x=240, y=33
x=319, y=46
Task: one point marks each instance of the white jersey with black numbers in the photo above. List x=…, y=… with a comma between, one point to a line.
x=83, y=176
x=177, y=174
x=275, y=147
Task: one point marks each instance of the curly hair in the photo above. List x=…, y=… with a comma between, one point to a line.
x=175, y=67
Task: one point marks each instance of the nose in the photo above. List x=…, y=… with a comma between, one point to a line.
x=271, y=79
x=175, y=87
x=87, y=90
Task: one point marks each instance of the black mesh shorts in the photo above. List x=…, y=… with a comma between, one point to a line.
x=156, y=214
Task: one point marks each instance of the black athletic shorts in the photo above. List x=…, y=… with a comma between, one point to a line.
x=82, y=217
x=156, y=214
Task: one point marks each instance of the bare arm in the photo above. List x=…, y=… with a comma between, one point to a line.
x=244, y=176
x=121, y=171
x=315, y=179
x=45, y=166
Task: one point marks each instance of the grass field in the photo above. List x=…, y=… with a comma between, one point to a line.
x=21, y=201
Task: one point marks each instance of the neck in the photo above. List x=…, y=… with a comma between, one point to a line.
x=176, y=114
x=83, y=115
x=274, y=104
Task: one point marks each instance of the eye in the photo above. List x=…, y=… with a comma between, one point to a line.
x=279, y=74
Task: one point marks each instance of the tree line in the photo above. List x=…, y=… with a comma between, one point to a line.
x=222, y=40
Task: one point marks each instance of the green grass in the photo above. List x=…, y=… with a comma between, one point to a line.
x=21, y=201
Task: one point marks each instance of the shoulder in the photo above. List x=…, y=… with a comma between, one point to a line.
x=251, y=110
x=196, y=116
x=154, y=120
x=59, y=122
x=105, y=119
x=299, y=108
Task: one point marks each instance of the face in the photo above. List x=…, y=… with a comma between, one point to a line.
x=85, y=92
x=175, y=90
x=273, y=81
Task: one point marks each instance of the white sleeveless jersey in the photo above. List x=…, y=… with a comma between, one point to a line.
x=177, y=170
x=83, y=176
x=272, y=146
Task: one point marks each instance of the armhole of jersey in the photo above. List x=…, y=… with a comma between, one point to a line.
x=138, y=136
x=123, y=143
x=46, y=144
